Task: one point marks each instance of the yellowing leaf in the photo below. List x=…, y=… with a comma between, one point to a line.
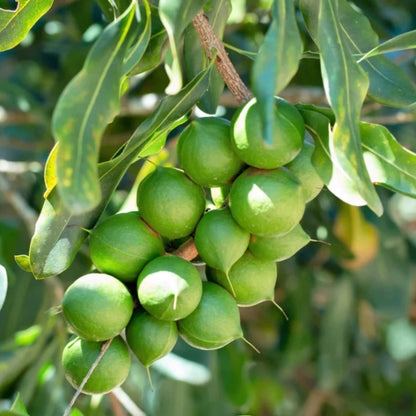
x=15, y=25
x=50, y=171
x=358, y=235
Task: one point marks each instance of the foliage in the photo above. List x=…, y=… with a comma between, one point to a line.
x=92, y=89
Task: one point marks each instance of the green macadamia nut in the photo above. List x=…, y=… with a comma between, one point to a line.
x=97, y=306
x=122, y=244
x=150, y=338
x=215, y=322
x=169, y=288
x=170, y=202
x=205, y=152
x=112, y=370
x=287, y=134
x=266, y=202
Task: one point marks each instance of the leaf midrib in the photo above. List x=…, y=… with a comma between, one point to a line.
x=369, y=63
x=388, y=161
x=93, y=100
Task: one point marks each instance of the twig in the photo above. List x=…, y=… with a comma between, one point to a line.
x=104, y=348
x=127, y=402
x=116, y=407
x=25, y=212
x=210, y=41
x=398, y=118
x=314, y=403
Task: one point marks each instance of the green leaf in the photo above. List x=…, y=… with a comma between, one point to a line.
x=277, y=60
x=49, y=174
x=113, y=8
x=388, y=162
x=195, y=59
x=335, y=336
x=326, y=111
x=18, y=406
x=386, y=282
x=15, y=25
x=346, y=86
x=233, y=362
x=398, y=43
x=389, y=84
x=175, y=16
x=157, y=142
x=23, y=261
x=14, y=364
x=401, y=339
x=60, y=233
x=170, y=109
x=243, y=52
x=153, y=54
x=3, y=285
x=181, y=369
x=331, y=172
x=89, y=102
x=144, y=30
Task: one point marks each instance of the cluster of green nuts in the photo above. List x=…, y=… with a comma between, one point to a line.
x=145, y=291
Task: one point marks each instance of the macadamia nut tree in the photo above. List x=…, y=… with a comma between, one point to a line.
x=228, y=172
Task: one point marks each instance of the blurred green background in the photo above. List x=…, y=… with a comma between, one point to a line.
x=349, y=345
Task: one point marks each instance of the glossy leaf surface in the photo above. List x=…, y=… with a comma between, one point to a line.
x=346, y=86
x=389, y=84
x=400, y=42
x=144, y=30
x=87, y=105
x=331, y=172
x=15, y=25
x=388, y=162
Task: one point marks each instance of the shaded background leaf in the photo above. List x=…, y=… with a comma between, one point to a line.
x=335, y=336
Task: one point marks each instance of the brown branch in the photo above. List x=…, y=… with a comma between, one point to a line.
x=210, y=41
x=116, y=407
x=235, y=84
x=187, y=250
